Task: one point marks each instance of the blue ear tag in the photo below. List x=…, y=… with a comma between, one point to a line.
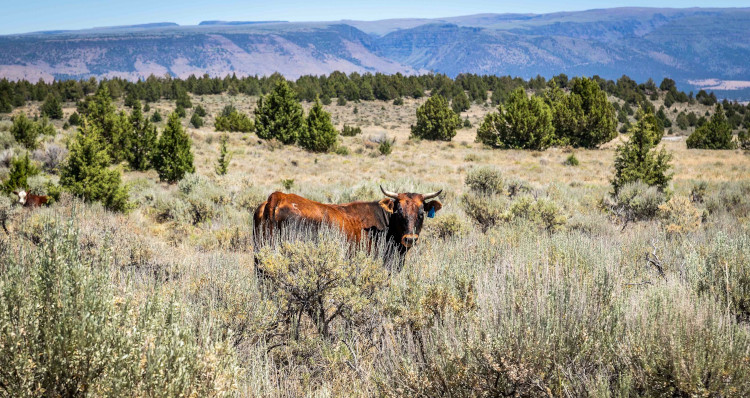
x=431, y=214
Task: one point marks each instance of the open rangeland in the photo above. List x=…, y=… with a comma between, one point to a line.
x=540, y=287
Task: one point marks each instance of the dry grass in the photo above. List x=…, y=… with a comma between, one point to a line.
x=576, y=310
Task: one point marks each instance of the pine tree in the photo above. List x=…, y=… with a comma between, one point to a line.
x=638, y=159
x=86, y=174
x=225, y=157
x=52, y=107
x=279, y=115
x=141, y=141
x=521, y=123
x=21, y=168
x=319, y=135
x=172, y=157
x=716, y=134
x=436, y=120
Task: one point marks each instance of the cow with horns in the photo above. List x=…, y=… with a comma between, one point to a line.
x=399, y=216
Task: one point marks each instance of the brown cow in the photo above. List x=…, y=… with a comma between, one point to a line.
x=399, y=216
x=31, y=200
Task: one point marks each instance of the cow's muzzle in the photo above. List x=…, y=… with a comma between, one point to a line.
x=409, y=240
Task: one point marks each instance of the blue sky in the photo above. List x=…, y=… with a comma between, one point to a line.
x=26, y=16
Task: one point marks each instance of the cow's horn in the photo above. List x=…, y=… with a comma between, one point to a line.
x=389, y=194
x=432, y=195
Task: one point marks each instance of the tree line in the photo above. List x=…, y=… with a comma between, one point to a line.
x=465, y=88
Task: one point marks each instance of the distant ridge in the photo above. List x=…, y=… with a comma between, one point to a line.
x=235, y=23
x=140, y=26
x=688, y=45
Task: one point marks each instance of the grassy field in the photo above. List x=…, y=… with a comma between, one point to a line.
x=558, y=297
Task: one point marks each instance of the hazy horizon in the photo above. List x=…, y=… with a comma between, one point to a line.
x=48, y=15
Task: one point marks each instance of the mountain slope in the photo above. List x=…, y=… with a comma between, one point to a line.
x=685, y=44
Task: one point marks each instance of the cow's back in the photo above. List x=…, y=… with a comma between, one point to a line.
x=281, y=209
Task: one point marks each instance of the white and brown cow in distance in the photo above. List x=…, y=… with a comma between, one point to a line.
x=30, y=200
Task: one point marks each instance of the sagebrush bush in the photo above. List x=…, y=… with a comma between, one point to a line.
x=51, y=157
x=486, y=210
x=320, y=280
x=448, y=226
x=65, y=331
x=724, y=272
x=679, y=216
x=635, y=201
x=731, y=197
x=542, y=211
x=485, y=180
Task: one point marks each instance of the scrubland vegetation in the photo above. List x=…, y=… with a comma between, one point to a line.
x=547, y=273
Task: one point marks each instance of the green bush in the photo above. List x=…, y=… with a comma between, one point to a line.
x=520, y=123
x=386, y=146
x=196, y=121
x=233, y=120
x=436, y=120
x=485, y=180
x=349, y=131
x=66, y=331
x=156, y=117
x=572, y=160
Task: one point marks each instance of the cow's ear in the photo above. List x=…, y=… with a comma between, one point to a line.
x=387, y=204
x=15, y=193
x=432, y=207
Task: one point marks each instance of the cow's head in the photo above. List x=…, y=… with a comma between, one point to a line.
x=21, y=196
x=407, y=212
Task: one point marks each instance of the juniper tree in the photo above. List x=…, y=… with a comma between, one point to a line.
x=25, y=131
x=319, y=135
x=639, y=160
x=141, y=141
x=460, y=102
x=520, y=123
x=52, y=107
x=583, y=118
x=436, y=120
x=222, y=164
x=21, y=168
x=86, y=174
x=172, y=157
x=279, y=115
